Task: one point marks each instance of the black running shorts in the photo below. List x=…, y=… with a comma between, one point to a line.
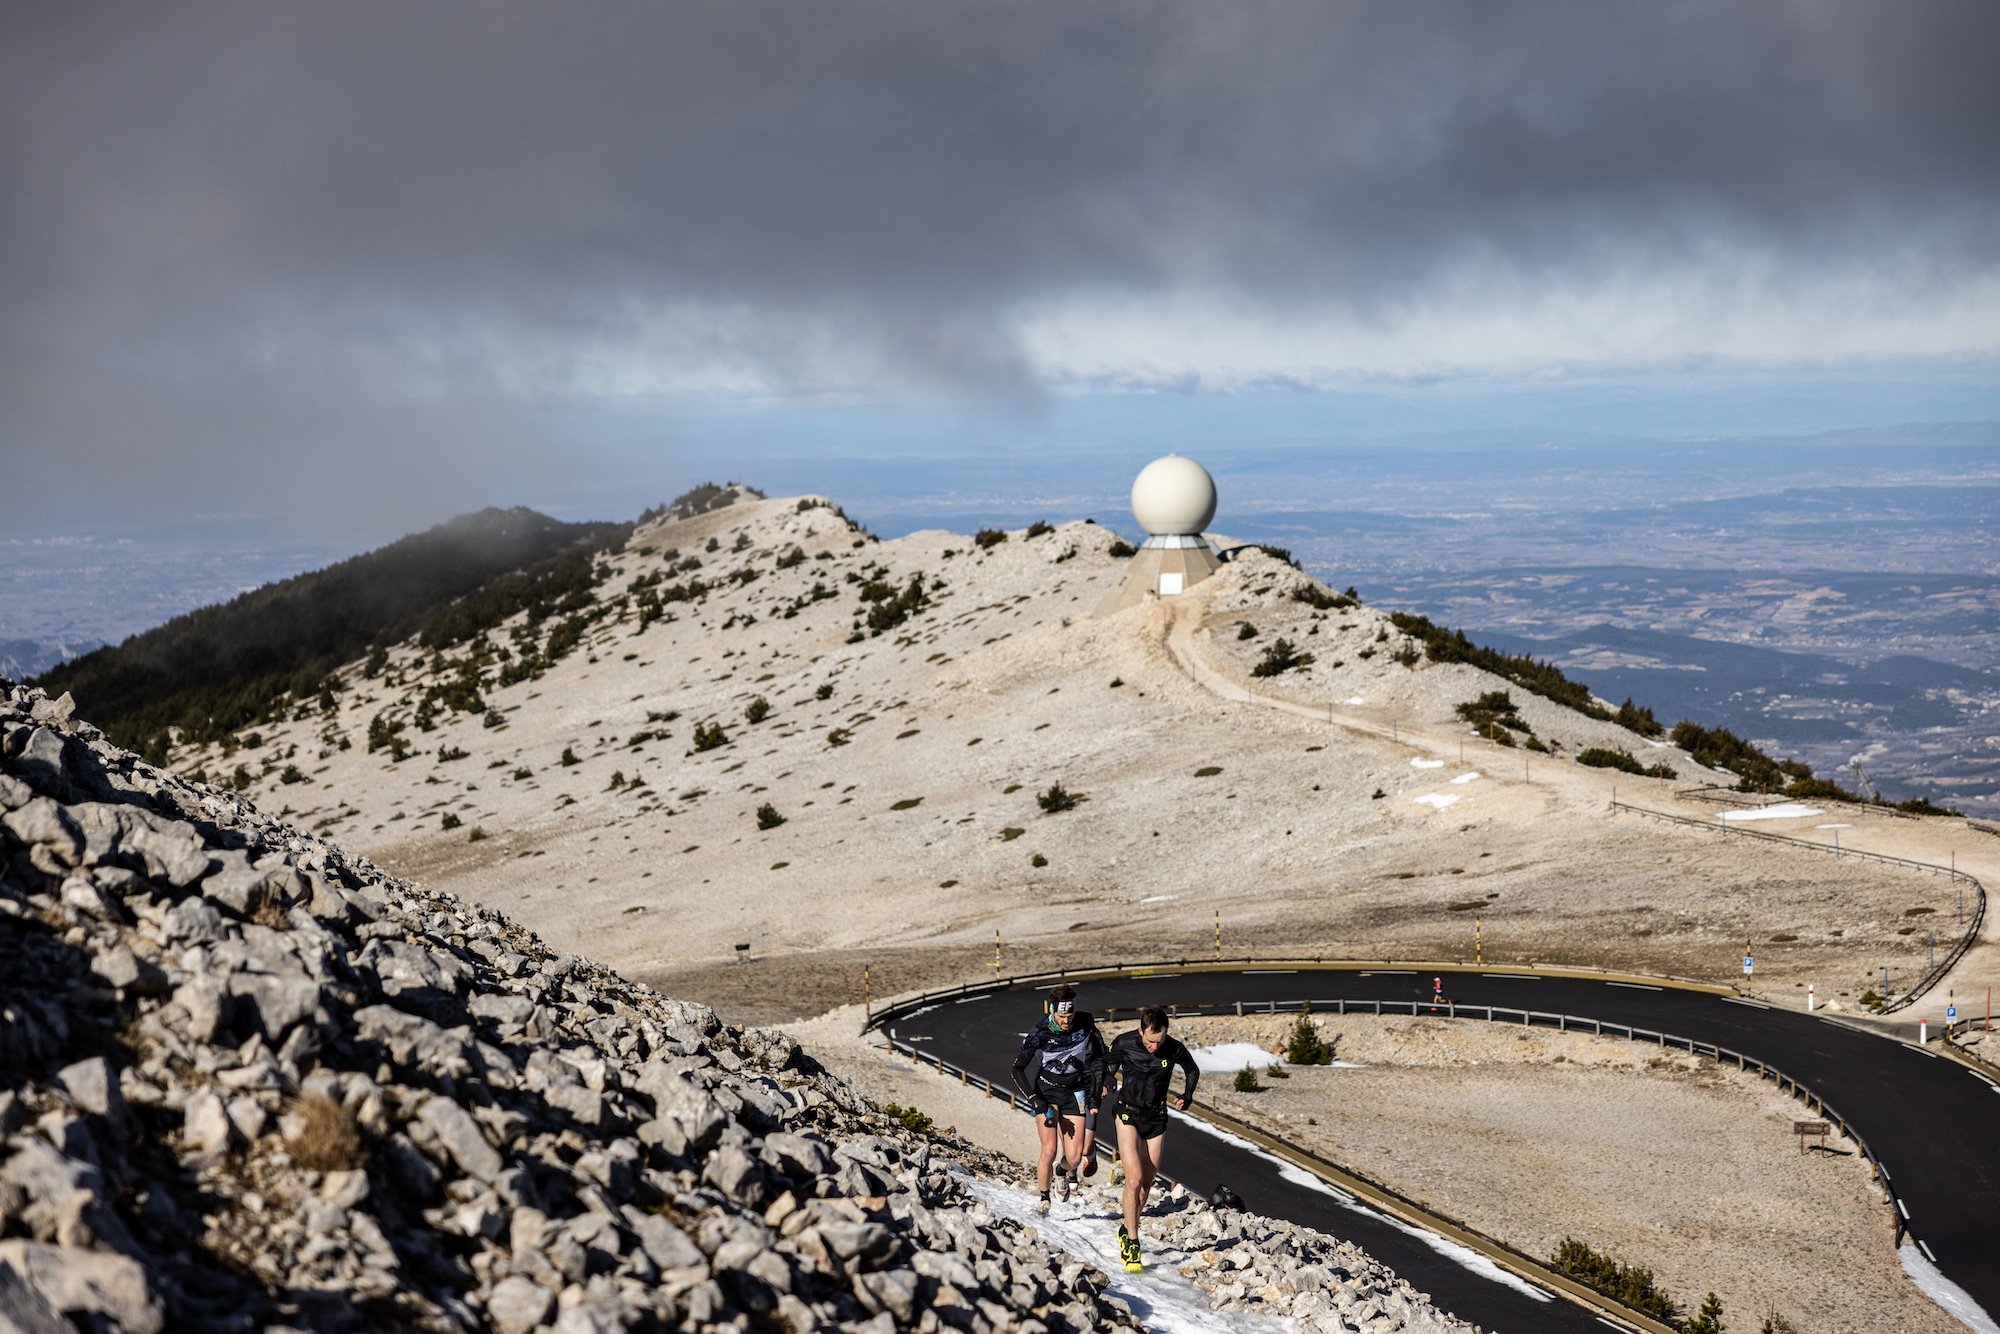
x=1150, y=1122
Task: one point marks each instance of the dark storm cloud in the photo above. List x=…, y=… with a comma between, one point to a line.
x=326, y=229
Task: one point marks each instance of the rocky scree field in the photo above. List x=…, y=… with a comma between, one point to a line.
x=248, y=1081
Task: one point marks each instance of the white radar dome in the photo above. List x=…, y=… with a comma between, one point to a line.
x=1173, y=496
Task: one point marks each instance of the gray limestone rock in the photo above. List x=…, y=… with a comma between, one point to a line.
x=247, y=1117
x=736, y=1174
x=44, y=823
x=44, y=761
x=235, y=883
x=194, y=921
x=669, y=1247
x=206, y=1126
x=869, y=1244
x=94, y=1283
x=890, y=1290
x=93, y=1087
x=519, y=1305
x=415, y=1041
x=14, y=793
x=23, y=1310
x=274, y=1003
x=208, y=1003
x=461, y=1136
x=122, y=968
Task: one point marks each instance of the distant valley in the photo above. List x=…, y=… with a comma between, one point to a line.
x=1805, y=664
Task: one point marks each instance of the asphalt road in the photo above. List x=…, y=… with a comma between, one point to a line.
x=1928, y=1120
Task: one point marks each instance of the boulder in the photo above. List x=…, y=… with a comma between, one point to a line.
x=461, y=1137
x=89, y=1283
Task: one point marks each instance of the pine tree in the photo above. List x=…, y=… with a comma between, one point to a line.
x=1708, y=1320
x=1304, y=1047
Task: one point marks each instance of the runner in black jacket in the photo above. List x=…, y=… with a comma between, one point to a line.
x=1061, y=1069
x=1144, y=1061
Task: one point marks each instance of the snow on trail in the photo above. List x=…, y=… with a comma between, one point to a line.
x=1956, y=1301
x=1157, y=1294
x=1437, y=799
x=1427, y=764
x=1451, y=1250
x=1466, y=778
x=1226, y=1058
x=1790, y=810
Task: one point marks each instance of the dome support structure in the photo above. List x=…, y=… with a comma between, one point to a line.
x=1173, y=498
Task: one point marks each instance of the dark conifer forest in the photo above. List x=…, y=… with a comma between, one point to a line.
x=221, y=668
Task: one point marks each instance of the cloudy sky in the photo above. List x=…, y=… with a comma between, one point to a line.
x=363, y=265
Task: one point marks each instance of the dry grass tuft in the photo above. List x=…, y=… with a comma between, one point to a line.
x=329, y=1141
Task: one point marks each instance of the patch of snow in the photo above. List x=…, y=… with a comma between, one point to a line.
x=1158, y=898
x=1357, y=700
x=1833, y=826
x=1956, y=1301
x=1451, y=1250
x=1427, y=764
x=1437, y=799
x=1226, y=1058
x=1788, y=810
x=1465, y=778
x=1157, y=1294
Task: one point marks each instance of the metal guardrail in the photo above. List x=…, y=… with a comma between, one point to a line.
x=1938, y=971
x=1898, y=1212
x=916, y=1004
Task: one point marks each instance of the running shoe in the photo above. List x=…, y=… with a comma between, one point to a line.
x=1129, y=1253
x=1042, y=1206
x=1065, y=1187
x=1090, y=1166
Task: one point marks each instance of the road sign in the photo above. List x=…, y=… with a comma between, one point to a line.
x=1749, y=964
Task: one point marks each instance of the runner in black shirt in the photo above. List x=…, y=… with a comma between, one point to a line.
x=1144, y=1060
x=1061, y=1069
